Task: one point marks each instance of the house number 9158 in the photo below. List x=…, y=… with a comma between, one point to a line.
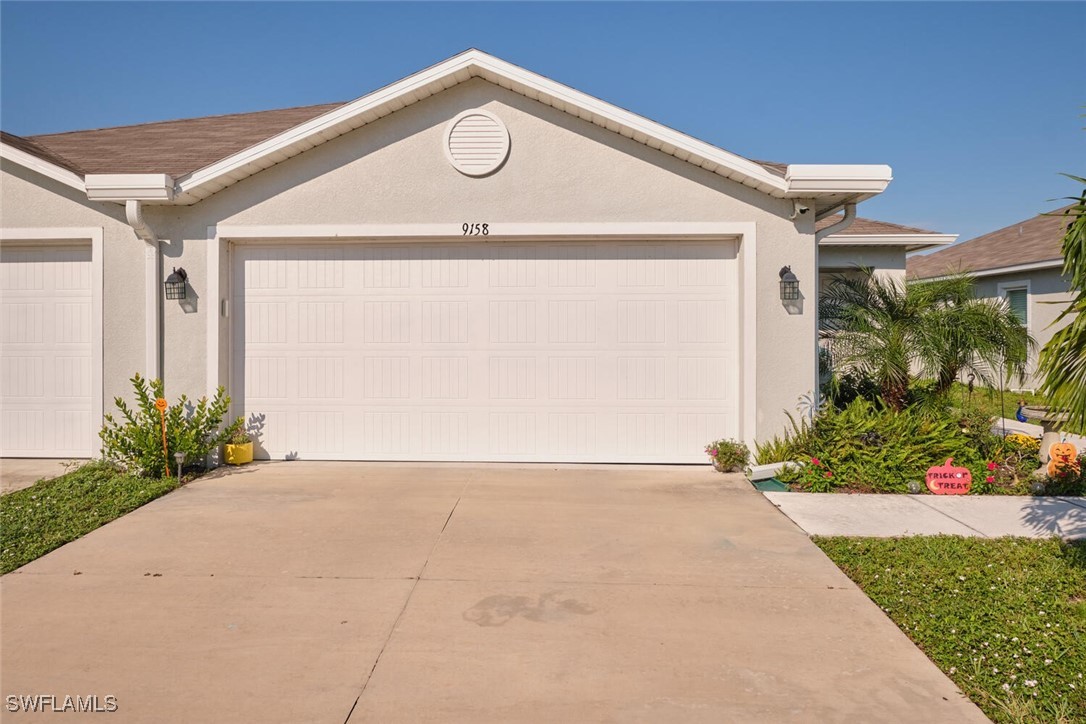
x=476, y=229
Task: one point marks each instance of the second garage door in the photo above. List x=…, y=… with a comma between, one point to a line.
x=549, y=351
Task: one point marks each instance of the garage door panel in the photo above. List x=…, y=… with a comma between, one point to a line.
x=45, y=367
x=578, y=351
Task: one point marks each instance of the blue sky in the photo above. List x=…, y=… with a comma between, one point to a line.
x=977, y=106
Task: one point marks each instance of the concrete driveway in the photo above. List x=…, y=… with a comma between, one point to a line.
x=324, y=592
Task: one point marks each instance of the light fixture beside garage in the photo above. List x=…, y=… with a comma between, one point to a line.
x=176, y=284
x=476, y=142
x=789, y=285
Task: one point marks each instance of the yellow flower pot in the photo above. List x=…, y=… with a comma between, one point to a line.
x=239, y=454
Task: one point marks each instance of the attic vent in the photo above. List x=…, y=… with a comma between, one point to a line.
x=476, y=142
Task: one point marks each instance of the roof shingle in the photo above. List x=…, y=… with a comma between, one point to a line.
x=869, y=227
x=1035, y=240
x=171, y=147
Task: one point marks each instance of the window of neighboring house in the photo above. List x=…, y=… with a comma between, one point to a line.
x=1018, y=301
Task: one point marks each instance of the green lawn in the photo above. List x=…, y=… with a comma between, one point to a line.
x=987, y=399
x=1004, y=618
x=50, y=513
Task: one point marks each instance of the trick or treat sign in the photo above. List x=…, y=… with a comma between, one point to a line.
x=949, y=479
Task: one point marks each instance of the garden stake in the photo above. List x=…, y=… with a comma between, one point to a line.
x=161, y=405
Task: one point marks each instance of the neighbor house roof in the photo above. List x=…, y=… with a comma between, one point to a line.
x=1036, y=242
x=869, y=232
x=188, y=160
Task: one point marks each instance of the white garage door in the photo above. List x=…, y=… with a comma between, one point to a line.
x=45, y=367
x=549, y=351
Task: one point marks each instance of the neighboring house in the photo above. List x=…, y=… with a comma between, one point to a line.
x=1021, y=263
x=473, y=263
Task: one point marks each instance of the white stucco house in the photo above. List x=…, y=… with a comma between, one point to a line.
x=472, y=263
x=1022, y=264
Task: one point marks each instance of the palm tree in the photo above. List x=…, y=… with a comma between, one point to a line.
x=887, y=330
x=1063, y=359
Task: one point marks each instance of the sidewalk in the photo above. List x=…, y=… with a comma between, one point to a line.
x=888, y=516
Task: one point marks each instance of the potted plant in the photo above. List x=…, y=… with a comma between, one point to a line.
x=239, y=446
x=728, y=456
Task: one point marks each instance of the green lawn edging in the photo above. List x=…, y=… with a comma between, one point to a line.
x=50, y=513
x=1004, y=618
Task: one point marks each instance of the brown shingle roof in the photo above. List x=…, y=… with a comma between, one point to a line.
x=1034, y=240
x=172, y=147
x=866, y=227
x=179, y=147
x=35, y=149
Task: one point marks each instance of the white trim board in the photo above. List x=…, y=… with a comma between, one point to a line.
x=53, y=236
x=496, y=232
x=1016, y=269
x=911, y=242
x=40, y=165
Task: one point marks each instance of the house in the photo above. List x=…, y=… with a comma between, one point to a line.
x=1021, y=263
x=472, y=263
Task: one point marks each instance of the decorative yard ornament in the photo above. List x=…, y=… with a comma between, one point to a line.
x=1063, y=458
x=161, y=405
x=949, y=479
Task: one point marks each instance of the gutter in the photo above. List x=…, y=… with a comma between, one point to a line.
x=152, y=304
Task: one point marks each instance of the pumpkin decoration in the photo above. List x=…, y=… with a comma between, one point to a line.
x=949, y=479
x=1062, y=456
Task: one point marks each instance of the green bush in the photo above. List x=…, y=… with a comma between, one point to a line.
x=728, y=455
x=135, y=442
x=874, y=449
x=784, y=448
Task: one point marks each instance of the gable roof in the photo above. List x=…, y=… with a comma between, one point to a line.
x=204, y=155
x=867, y=227
x=1036, y=241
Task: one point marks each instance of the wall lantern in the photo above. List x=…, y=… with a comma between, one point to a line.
x=789, y=285
x=177, y=282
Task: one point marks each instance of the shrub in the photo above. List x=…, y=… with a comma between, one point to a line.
x=874, y=449
x=784, y=448
x=728, y=455
x=135, y=442
x=815, y=477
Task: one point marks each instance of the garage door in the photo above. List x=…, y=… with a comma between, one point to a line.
x=45, y=368
x=557, y=351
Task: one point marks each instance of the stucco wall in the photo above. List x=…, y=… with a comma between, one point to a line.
x=1048, y=295
x=393, y=171
x=888, y=262
x=29, y=200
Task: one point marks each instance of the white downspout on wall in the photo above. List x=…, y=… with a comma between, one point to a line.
x=844, y=223
x=152, y=303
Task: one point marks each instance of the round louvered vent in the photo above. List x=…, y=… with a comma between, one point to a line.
x=476, y=142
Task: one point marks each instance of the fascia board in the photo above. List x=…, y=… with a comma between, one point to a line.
x=40, y=165
x=816, y=179
x=926, y=240
x=125, y=186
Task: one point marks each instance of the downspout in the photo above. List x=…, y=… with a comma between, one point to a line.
x=844, y=223
x=152, y=305
x=850, y=216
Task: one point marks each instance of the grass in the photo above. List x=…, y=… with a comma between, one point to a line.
x=50, y=513
x=987, y=400
x=1004, y=618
